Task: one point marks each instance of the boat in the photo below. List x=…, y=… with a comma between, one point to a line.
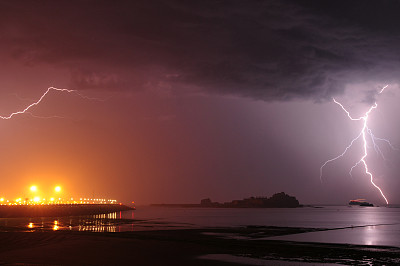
x=361, y=202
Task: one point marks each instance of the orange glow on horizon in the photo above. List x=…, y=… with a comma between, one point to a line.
x=51, y=199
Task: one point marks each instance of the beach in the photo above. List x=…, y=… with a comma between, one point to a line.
x=154, y=236
x=180, y=247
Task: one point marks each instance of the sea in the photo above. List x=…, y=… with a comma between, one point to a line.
x=375, y=226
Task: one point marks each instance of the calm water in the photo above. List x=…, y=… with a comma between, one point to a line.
x=325, y=217
x=355, y=225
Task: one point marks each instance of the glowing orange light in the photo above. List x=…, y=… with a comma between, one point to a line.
x=33, y=188
x=55, y=227
x=30, y=225
x=36, y=199
x=57, y=188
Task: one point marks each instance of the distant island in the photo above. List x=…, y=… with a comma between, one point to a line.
x=278, y=200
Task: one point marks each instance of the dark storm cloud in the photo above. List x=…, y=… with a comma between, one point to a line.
x=270, y=50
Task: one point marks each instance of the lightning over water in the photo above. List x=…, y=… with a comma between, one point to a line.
x=363, y=136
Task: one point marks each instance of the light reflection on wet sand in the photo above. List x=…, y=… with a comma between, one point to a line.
x=334, y=224
x=255, y=261
x=377, y=235
x=111, y=222
x=94, y=223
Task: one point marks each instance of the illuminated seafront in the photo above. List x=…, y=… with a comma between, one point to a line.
x=38, y=206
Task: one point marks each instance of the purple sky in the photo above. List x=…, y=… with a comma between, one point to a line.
x=219, y=99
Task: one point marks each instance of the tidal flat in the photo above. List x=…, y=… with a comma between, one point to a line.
x=201, y=246
x=184, y=236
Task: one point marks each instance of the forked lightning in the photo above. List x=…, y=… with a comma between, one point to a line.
x=363, y=135
x=25, y=111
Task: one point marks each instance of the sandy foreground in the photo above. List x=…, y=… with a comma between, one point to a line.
x=182, y=247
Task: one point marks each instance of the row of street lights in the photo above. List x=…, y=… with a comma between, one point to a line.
x=35, y=199
x=35, y=188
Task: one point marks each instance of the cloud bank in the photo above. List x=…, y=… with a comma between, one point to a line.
x=267, y=50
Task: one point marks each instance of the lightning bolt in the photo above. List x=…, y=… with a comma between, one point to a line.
x=26, y=110
x=363, y=135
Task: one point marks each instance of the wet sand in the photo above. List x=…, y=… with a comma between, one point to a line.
x=182, y=247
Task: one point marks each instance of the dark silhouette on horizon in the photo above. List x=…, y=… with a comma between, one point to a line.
x=278, y=200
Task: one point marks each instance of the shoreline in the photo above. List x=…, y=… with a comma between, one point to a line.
x=182, y=247
x=52, y=210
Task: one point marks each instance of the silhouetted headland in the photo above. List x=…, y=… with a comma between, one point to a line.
x=12, y=211
x=278, y=200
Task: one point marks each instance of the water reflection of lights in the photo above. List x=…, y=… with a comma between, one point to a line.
x=99, y=223
x=55, y=227
x=110, y=222
x=370, y=235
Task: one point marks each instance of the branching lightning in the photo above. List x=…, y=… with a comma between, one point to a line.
x=26, y=110
x=363, y=135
